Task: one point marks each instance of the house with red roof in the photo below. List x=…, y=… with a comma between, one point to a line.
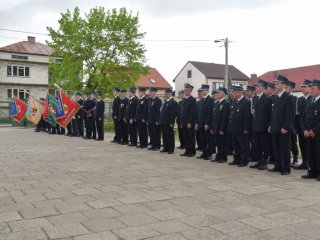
x=198, y=73
x=296, y=75
x=24, y=69
x=154, y=80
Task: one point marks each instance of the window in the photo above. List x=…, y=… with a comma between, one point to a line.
x=189, y=74
x=19, y=57
x=18, y=71
x=216, y=85
x=20, y=93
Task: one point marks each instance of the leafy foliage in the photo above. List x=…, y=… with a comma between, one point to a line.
x=97, y=52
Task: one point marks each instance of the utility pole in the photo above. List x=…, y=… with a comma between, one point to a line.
x=226, y=67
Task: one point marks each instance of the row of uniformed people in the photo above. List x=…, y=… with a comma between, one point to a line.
x=88, y=122
x=144, y=117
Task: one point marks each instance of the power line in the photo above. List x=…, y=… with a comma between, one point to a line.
x=19, y=31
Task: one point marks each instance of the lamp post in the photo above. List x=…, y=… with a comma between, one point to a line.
x=226, y=69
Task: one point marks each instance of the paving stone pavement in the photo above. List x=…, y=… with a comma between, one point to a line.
x=56, y=187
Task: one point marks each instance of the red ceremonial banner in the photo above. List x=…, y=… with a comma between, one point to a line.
x=71, y=107
x=21, y=110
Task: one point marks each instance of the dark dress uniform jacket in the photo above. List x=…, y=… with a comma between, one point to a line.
x=100, y=109
x=189, y=111
x=142, y=109
x=312, y=119
x=87, y=105
x=220, y=117
x=131, y=109
x=80, y=112
x=204, y=112
x=122, y=108
x=168, y=112
x=301, y=107
x=282, y=114
x=261, y=114
x=240, y=116
x=116, y=107
x=179, y=111
x=154, y=110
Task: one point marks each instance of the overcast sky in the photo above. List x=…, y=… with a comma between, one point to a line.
x=266, y=34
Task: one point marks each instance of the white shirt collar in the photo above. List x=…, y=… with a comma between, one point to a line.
x=259, y=95
x=169, y=99
x=280, y=93
x=222, y=99
x=239, y=99
x=316, y=98
x=305, y=97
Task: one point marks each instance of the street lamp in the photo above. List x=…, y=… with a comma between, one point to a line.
x=226, y=70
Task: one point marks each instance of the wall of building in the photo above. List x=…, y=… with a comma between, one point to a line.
x=196, y=80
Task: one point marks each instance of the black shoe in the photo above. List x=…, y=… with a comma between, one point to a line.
x=274, y=170
x=163, y=151
x=255, y=165
x=198, y=149
x=156, y=149
x=301, y=167
x=132, y=145
x=113, y=141
x=285, y=173
x=222, y=161
x=262, y=167
x=99, y=139
x=151, y=148
x=87, y=138
x=207, y=158
x=181, y=147
x=309, y=176
x=318, y=178
x=201, y=156
x=233, y=163
x=215, y=160
x=183, y=154
x=190, y=155
x=170, y=152
x=242, y=164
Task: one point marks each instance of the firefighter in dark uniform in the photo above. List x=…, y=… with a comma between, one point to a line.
x=293, y=133
x=141, y=118
x=92, y=121
x=199, y=107
x=115, y=113
x=203, y=123
x=280, y=125
x=260, y=124
x=219, y=124
x=130, y=115
x=121, y=117
x=311, y=128
x=154, y=107
x=77, y=122
x=168, y=116
x=180, y=130
x=302, y=102
x=100, y=106
x=239, y=126
x=250, y=93
x=270, y=92
x=188, y=120
x=87, y=105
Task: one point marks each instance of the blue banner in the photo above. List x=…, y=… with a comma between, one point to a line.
x=60, y=113
x=13, y=110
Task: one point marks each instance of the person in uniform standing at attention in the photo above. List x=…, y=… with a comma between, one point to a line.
x=130, y=115
x=239, y=126
x=280, y=125
x=260, y=123
x=115, y=113
x=77, y=123
x=219, y=124
x=154, y=107
x=203, y=124
x=85, y=115
x=141, y=118
x=100, y=106
x=188, y=120
x=93, y=122
x=311, y=128
x=168, y=116
x=293, y=133
x=199, y=109
x=180, y=130
x=121, y=117
x=270, y=92
x=302, y=102
x=250, y=92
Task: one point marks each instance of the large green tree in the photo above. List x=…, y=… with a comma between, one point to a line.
x=98, y=51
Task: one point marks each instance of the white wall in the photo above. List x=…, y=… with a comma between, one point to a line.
x=196, y=80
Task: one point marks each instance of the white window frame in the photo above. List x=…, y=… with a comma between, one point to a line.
x=18, y=68
x=16, y=92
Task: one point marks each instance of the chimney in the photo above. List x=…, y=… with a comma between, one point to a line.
x=254, y=77
x=31, y=39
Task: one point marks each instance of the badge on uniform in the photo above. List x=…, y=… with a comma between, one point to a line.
x=315, y=112
x=231, y=107
x=238, y=109
x=152, y=103
x=221, y=107
x=141, y=102
x=121, y=105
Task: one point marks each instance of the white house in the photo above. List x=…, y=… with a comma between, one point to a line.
x=198, y=73
x=23, y=69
